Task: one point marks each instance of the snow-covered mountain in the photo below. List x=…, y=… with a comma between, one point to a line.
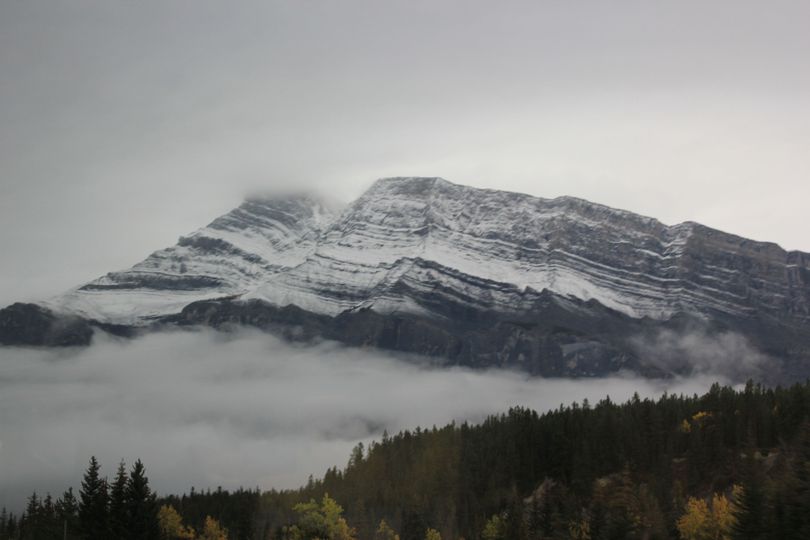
x=474, y=276
x=233, y=256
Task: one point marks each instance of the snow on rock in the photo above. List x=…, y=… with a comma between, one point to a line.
x=230, y=257
x=408, y=242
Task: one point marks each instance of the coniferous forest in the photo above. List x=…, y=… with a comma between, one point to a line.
x=730, y=464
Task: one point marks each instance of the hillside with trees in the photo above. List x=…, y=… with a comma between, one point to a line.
x=729, y=464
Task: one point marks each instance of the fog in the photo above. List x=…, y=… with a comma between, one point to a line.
x=209, y=409
x=697, y=350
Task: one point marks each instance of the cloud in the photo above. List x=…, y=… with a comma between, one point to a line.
x=206, y=409
x=697, y=350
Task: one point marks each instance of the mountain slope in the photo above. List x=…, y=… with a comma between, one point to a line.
x=470, y=276
x=230, y=257
x=626, y=262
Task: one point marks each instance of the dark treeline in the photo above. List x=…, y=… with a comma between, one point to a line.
x=238, y=511
x=728, y=464
x=122, y=508
x=126, y=508
x=608, y=470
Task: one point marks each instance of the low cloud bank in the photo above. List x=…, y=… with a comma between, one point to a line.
x=208, y=409
x=700, y=351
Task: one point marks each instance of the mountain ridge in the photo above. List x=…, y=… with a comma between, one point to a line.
x=457, y=262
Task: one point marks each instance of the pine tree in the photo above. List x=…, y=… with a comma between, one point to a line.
x=12, y=527
x=413, y=525
x=93, y=518
x=31, y=523
x=67, y=514
x=750, y=505
x=48, y=521
x=39, y=521
x=798, y=488
x=141, y=506
x=119, y=519
x=515, y=525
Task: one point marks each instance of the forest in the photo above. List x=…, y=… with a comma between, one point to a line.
x=730, y=464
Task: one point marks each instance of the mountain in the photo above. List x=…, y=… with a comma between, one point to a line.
x=235, y=254
x=467, y=276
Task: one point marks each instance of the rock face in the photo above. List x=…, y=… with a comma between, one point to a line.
x=29, y=324
x=469, y=276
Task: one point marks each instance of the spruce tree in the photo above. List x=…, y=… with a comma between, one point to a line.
x=93, y=518
x=12, y=527
x=798, y=488
x=141, y=506
x=67, y=514
x=31, y=521
x=48, y=521
x=413, y=525
x=119, y=520
x=751, y=505
x=514, y=525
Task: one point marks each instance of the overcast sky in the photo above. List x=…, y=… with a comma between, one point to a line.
x=126, y=124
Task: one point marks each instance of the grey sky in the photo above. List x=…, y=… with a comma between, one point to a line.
x=126, y=124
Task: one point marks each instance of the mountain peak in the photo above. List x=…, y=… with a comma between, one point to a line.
x=292, y=248
x=427, y=249
x=416, y=186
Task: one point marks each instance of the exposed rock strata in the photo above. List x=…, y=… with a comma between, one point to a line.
x=468, y=276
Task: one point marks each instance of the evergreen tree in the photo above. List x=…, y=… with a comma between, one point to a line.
x=39, y=521
x=515, y=524
x=67, y=514
x=141, y=506
x=93, y=503
x=413, y=525
x=49, y=524
x=31, y=522
x=750, y=505
x=12, y=527
x=799, y=486
x=119, y=519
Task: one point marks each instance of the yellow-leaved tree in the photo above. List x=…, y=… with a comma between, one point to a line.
x=723, y=513
x=324, y=522
x=494, y=529
x=702, y=522
x=579, y=530
x=385, y=532
x=212, y=530
x=171, y=525
x=694, y=524
x=432, y=534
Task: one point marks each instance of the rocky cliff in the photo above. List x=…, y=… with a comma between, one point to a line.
x=464, y=275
